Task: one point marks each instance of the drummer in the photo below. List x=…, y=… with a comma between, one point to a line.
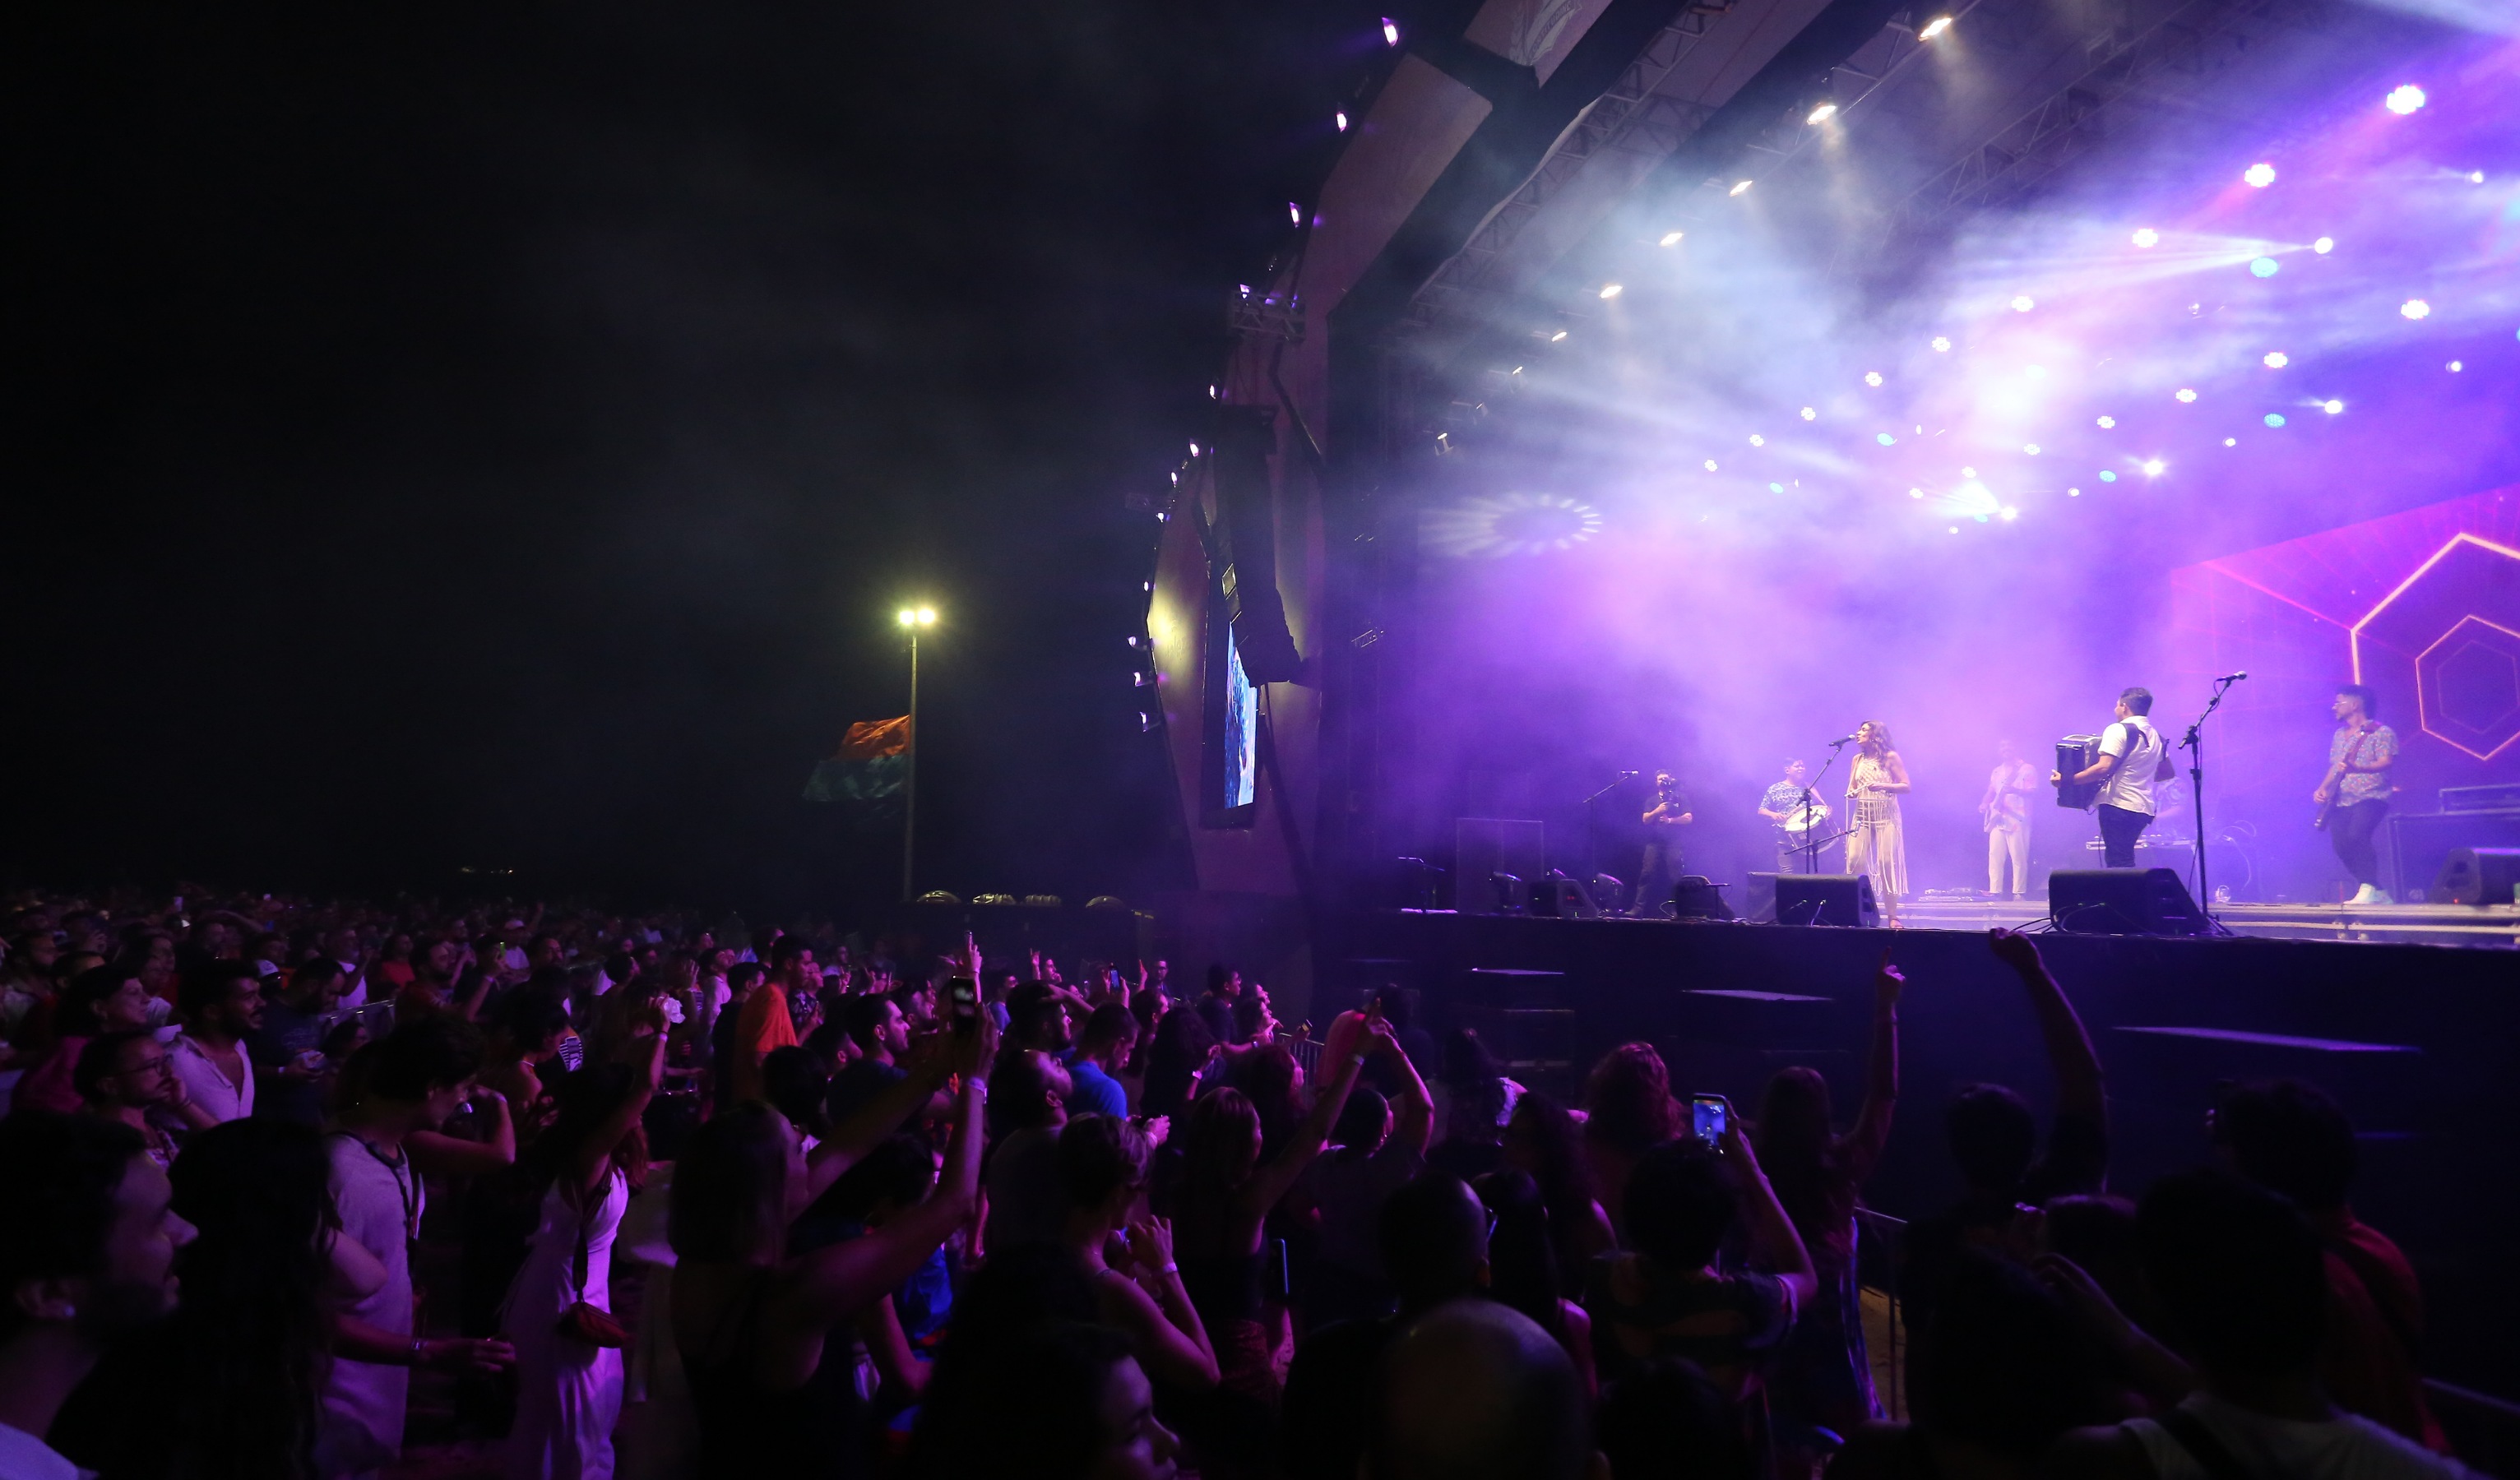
x=1796, y=813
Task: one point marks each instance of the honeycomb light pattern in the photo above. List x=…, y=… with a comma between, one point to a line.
x=2466, y=668
x=2468, y=684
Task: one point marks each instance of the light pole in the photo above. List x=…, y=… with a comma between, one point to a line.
x=912, y=619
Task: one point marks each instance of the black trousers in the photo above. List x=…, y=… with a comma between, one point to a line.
x=2119, y=829
x=1662, y=866
x=2351, y=830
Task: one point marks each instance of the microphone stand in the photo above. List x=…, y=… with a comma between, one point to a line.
x=1812, y=845
x=2194, y=744
x=1593, y=828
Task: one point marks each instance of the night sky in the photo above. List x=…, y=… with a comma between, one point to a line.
x=500, y=436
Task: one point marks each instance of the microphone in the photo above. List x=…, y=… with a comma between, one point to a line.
x=1629, y=776
x=2232, y=678
x=1843, y=740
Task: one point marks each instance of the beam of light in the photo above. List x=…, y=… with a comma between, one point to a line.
x=1510, y=524
x=1935, y=28
x=1822, y=114
x=1611, y=290
x=1672, y=237
x=2261, y=174
x=2405, y=99
x=1556, y=337
x=1741, y=187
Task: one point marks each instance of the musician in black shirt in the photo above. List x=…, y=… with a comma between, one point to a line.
x=1662, y=861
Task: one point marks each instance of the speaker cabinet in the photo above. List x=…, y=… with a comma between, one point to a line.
x=1697, y=897
x=1825, y=899
x=2477, y=876
x=2123, y=902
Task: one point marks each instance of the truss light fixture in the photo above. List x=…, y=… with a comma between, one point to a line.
x=2405, y=99
x=2475, y=177
x=2107, y=422
x=1390, y=31
x=1935, y=28
x=2261, y=174
x=2185, y=395
x=1873, y=378
x=1710, y=464
x=2455, y=366
x=1811, y=414
x=1820, y=115
x=1670, y=237
x=1741, y=187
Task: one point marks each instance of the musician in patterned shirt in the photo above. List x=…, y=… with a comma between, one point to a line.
x=2359, y=758
x=1781, y=804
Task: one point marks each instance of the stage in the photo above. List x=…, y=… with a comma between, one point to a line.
x=2486, y=925
x=2417, y=1041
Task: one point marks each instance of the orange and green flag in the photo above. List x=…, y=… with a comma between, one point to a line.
x=869, y=769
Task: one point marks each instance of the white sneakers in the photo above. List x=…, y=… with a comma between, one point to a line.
x=2372, y=894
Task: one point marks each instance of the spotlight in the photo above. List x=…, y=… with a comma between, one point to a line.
x=1341, y=119
x=1968, y=473
x=1873, y=378
x=2022, y=303
x=2230, y=441
x=1942, y=345
x=1822, y=114
x=2276, y=359
x=1741, y=187
x=1194, y=449
x=1916, y=493
x=1934, y=27
x=2323, y=246
x=2475, y=177
x=1757, y=440
x=2153, y=468
x=2010, y=512
x=2264, y=267
x=2073, y=493
x=2405, y=99
x=2107, y=477
x=2145, y=236
x=2455, y=366
x=906, y=617
x=2032, y=448
x=1390, y=31
x=926, y=616
x=1294, y=213
x=1611, y=290
x=2415, y=308
x=2107, y=422
x=1672, y=237
x=1710, y=464
x=2185, y=395
x=1776, y=487
x=2260, y=174
x=1810, y=413
x=2332, y=408
x=2036, y=372
x=1884, y=438
x=1560, y=334
x=1518, y=370
x=2275, y=419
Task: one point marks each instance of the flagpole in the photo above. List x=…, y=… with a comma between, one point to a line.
x=912, y=619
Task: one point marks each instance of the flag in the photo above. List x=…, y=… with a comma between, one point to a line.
x=869, y=769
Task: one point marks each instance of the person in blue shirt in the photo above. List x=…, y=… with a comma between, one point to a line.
x=1093, y=1072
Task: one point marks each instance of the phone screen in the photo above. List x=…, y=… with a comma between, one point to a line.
x=1706, y=1118
x=965, y=996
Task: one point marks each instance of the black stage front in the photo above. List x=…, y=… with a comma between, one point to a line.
x=2420, y=1043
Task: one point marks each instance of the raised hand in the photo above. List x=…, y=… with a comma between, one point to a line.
x=1150, y=1243
x=1887, y=981
x=2014, y=950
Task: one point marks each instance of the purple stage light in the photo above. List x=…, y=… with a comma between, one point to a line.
x=2405, y=99
x=2260, y=174
x=2073, y=493
x=2230, y=441
x=2154, y=468
x=2455, y=366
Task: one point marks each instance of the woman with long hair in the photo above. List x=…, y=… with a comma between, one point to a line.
x=558, y=1313
x=1225, y=1195
x=1181, y=1047
x=1523, y=1266
x=1876, y=840
x=751, y=1317
x=1628, y=1111
x=1544, y=1142
x=1823, y=1377
x=1102, y=1167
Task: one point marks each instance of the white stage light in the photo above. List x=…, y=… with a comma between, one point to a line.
x=2455, y=366
x=2036, y=372
x=1710, y=464
x=1294, y=213
x=1757, y=440
x=1672, y=237
x=1968, y=473
x=1916, y=493
x=1822, y=114
x=2331, y=407
x=2153, y=468
x=1390, y=31
x=2073, y=493
x=2475, y=177
x=1194, y=449
x=2260, y=174
x=1740, y=187
x=2107, y=422
x=2230, y=441
x=1942, y=345
x=2145, y=236
x=1935, y=28
x=2185, y=394
x=2415, y=308
x=2405, y=99
x=1809, y=414
x=2276, y=359
x=1341, y=119
x=1611, y=290
x=2023, y=303
x=1560, y=334
x=2323, y=246
x=2032, y=448
x=1884, y=438
x=1873, y=378
x=2010, y=512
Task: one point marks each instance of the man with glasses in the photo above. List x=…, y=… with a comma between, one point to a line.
x=122, y=1076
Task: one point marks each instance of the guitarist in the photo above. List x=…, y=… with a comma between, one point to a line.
x=2131, y=759
x=2355, y=795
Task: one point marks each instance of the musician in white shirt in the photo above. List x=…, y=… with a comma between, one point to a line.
x=2004, y=811
x=2131, y=759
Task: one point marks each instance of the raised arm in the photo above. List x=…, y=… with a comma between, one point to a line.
x=2079, y=1088
x=881, y=1118
x=834, y=1281
x=593, y=1160
x=1871, y=1131
x=1772, y=1232
x=1413, y=1120
x=454, y=1156
x=1271, y=1182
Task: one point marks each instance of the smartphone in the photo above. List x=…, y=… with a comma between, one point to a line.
x=1707, y=1115
x=963, y=996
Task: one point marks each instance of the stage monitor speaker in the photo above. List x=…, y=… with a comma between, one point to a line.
x=1562, y=897
x=1697, y=897
x=1484, y=847
x=1762, y=898
x=2477, y=876
x=1825, y=899
x=2123, y=902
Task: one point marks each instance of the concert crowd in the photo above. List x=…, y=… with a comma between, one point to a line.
x=297, y=1190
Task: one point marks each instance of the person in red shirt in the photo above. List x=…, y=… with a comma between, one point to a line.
x=766, y=1023
x=2291, y=1138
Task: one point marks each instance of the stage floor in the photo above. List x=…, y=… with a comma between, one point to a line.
x=2488, y=925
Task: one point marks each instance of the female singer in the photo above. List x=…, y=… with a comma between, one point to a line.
x=1875, y=841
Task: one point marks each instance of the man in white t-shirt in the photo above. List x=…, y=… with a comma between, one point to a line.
x=2131, y=759
x=2242, y=1283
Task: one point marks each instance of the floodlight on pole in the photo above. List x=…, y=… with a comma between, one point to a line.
x=912, y=619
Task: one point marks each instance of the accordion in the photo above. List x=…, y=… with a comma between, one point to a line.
x=2076, y=754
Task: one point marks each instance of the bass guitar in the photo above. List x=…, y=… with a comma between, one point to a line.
x=2334, y=789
